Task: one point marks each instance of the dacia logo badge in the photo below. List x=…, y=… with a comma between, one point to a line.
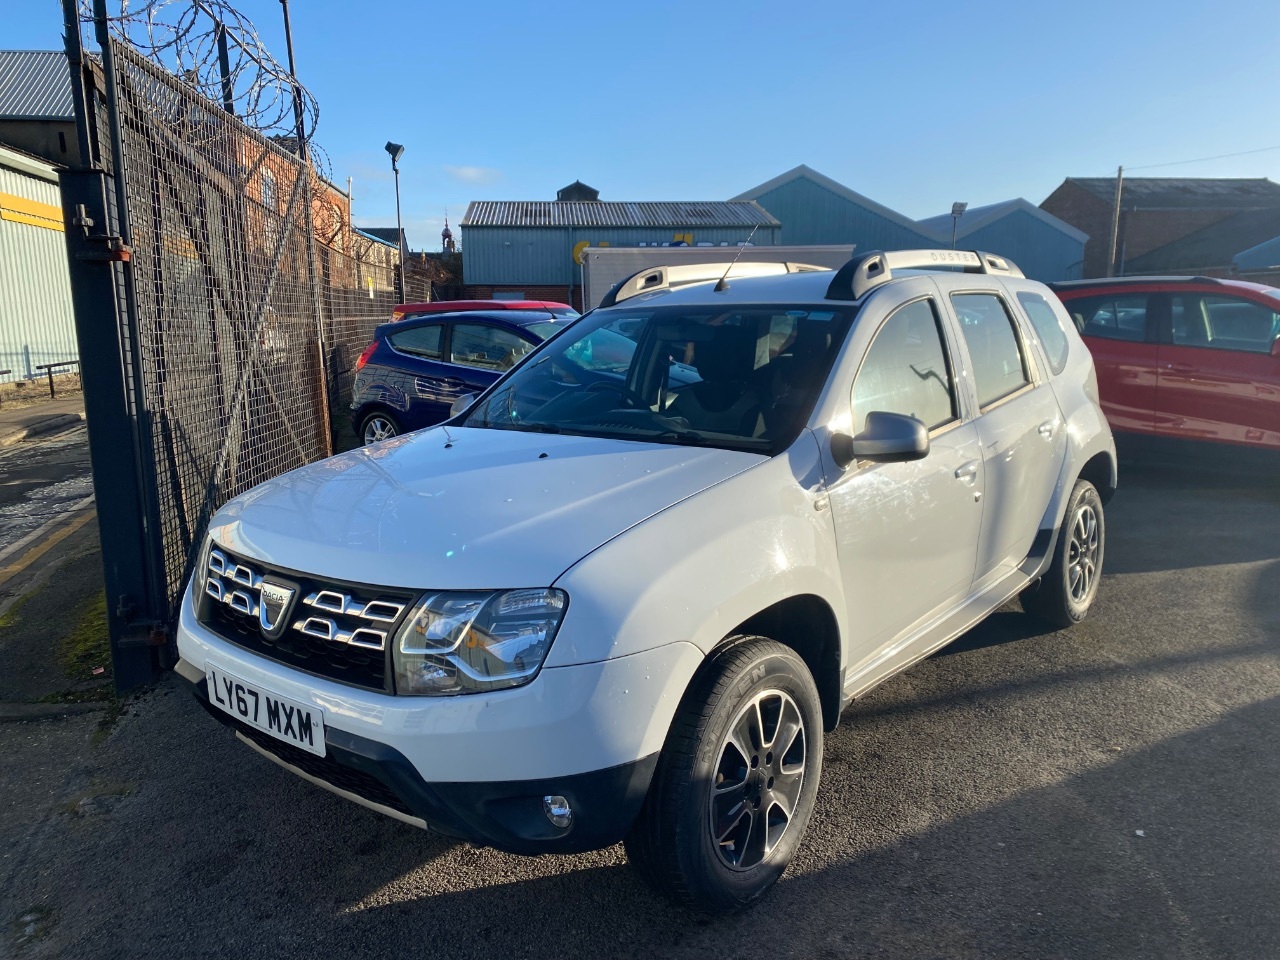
x=274, y=601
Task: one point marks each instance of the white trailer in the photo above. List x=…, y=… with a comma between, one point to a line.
x=602, y=267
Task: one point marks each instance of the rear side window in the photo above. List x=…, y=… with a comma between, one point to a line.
x=1052, y=337
x=1111, y=317
x=419, y=341
x=486, y=347
x=999, y=367
x=906, y=370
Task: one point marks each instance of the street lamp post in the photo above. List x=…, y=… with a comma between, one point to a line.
x=957, y=211
x=396, y=151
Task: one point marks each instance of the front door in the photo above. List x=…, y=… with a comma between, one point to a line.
x=906, y=531
x=482, y=352
x=1218, y=376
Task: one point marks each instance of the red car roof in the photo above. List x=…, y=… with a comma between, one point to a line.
x=459, y=306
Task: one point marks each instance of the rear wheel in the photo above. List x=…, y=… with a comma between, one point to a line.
x=1070, y=585
x=736, y=782
x=378, y=426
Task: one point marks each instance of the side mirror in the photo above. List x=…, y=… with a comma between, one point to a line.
x=460, y=405
x=1275, y=348
x=886, y=438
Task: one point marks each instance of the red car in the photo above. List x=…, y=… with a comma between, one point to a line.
x=1184, y=358
x=561, y=311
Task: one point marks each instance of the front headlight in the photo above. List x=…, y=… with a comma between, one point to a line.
x=472, y=642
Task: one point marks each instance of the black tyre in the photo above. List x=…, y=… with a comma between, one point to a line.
x=736, y=782
x=1070, y=585
x=378, y=425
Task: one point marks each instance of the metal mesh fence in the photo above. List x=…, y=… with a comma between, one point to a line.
x=247, y=327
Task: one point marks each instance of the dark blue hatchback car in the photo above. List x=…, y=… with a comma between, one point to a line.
x=414, y=369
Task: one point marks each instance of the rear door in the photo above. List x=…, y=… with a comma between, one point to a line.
x=1218, y=378
x=1119, y=333
x=1020, y=428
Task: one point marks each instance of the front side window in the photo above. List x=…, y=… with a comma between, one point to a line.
x=906, y=370
x=1224, y=323
x=488, y=348
x=999, y=367
x=740, y=377
x=1052, y=337
x=419, y=341
x=1111, y=317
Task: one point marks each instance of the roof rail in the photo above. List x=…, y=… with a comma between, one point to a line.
x=1132, y=278
x=863, y=273
x=669, y=276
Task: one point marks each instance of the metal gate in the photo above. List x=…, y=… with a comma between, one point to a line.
x=216, y=331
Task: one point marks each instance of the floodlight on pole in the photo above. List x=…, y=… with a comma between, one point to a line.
x=957, y=211
x=396, y=150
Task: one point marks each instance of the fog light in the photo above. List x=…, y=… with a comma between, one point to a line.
x=558, y=811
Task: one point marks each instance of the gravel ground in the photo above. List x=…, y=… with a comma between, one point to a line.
x=1112, y=791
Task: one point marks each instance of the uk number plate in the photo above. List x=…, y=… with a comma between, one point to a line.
x=294, y=723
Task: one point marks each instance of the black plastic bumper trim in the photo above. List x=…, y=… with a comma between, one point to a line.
x=507, y=814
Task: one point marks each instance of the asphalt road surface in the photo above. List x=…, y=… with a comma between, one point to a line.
x=40, y=479
x=1108, y=792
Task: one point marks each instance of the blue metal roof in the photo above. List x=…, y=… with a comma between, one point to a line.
x=1264, y=257
x=369, y=235
x=35, y=85
x=605, y=213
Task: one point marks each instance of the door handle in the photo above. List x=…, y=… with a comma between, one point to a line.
x=1180, y=368
x=967, y=472
x=1047, y=428
x=454, y=382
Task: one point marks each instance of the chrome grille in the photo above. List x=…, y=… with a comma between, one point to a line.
x=336, y=630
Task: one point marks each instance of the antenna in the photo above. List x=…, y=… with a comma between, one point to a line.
x=721, y=286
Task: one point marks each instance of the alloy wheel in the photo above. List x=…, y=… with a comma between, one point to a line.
x=1082, y=554
x=378, y=428
x=757, y=780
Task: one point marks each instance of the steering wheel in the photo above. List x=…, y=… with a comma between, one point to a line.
x=625, y=392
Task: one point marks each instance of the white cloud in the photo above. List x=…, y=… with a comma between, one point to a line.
x=474, y=175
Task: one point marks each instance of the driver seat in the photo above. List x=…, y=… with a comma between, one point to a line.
x=725, y=401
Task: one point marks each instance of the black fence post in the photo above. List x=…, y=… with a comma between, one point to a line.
x=98, y=256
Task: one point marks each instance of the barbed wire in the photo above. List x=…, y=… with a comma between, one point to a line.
x=182, y=36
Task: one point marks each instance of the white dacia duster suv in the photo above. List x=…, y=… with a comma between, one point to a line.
x=621, y=594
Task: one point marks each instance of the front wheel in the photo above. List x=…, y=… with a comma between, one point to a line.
x=736, y=782
x=1069, y=587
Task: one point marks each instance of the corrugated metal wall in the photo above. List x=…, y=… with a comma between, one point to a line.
x=539, y=256
x=37, y=324
x=1041, y=252
x=812, y=214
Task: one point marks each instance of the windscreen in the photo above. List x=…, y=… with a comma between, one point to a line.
x=742, y=379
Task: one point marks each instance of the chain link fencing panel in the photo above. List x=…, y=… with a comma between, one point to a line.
x=247, y=327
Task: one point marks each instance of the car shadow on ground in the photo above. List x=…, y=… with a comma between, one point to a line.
x=1190, y=517
x=1144, y=855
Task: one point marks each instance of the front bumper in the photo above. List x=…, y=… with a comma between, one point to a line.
x=477, y=766
x=506, y=814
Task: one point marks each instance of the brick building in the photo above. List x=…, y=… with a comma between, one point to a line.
x=1156, y=212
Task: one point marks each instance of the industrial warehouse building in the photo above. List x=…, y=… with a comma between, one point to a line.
x=534, y=249
x=37, y=325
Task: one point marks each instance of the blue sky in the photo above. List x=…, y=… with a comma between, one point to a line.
x=912, y=105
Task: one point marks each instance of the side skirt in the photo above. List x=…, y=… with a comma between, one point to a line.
x=936, y=635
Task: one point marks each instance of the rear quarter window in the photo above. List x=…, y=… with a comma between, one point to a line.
x=1048, y=328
